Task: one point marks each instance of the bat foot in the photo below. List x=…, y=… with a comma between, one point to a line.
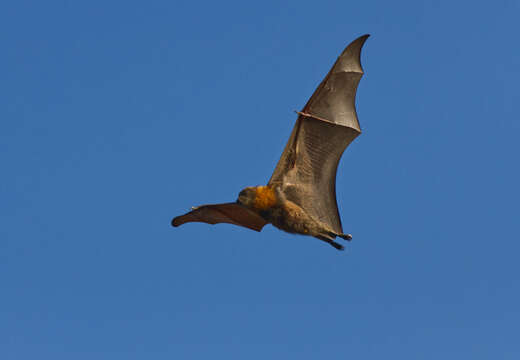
x=333, y=235
x=337, y=246
x=347, y=237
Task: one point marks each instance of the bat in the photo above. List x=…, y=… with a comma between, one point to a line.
x=300, y=197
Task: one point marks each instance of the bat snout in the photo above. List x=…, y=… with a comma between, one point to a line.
x=246, y=197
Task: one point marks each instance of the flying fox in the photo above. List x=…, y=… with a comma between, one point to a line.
x=300, y=197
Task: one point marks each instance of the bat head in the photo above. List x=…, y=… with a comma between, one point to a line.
x=247, y=197
x=257, y=198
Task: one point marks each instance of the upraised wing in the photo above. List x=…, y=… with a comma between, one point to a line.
x=327, y=124
x=231, y=213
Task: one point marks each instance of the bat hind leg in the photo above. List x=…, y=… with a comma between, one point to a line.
x=336, y=245
x=331, y=242
x=333, y=235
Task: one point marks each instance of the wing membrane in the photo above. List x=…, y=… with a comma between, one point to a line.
x=231, y=213
x=327, y=124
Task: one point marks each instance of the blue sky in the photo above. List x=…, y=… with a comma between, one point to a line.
x=117, y=116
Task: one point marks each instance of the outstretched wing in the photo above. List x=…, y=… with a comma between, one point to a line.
x=231, y=213
x=327, y=124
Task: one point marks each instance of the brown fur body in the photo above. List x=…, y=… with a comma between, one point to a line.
x=270, y=203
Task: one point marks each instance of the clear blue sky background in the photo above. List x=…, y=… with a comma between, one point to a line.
x=117, y=116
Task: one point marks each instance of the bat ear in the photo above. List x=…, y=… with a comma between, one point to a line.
x=350, y=58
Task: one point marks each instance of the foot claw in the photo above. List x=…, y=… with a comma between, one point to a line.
x=347, y=237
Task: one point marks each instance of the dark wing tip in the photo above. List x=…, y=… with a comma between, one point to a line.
x=350, y=58
x=357, y=44
x=176, y=221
